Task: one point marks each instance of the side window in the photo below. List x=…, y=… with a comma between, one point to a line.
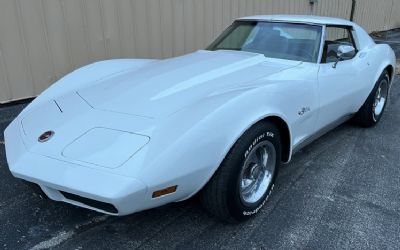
x=334, y=37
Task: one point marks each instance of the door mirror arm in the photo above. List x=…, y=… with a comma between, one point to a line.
x=344, y=52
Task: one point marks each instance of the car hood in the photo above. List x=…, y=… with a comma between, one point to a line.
x=166, y=86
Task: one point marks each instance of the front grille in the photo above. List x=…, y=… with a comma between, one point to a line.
x=91, y=203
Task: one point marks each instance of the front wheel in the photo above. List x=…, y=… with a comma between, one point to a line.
x=245, y=179
x=372, y=110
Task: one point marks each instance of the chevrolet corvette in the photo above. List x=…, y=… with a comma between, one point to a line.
x=125, y=135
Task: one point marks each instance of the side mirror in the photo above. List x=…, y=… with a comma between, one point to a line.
x=344, y=52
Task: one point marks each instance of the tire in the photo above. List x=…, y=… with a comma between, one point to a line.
x=372, y=111
x=227, y=194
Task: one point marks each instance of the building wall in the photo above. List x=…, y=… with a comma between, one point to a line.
x=42, y=40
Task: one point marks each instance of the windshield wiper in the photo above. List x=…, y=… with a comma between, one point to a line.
x=236, y=49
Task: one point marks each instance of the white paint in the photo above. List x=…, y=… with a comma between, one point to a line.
x=192, y=124
x=65, y=235
x=55, y=241
x=56, y=45
x=211, y=75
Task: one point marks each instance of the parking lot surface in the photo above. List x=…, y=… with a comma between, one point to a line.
x=340, y=192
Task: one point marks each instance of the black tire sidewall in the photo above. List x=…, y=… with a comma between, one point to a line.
x=259, y=133
x=365, y=117
x=384, y=76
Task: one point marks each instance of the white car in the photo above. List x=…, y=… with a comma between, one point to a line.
x=121, y=136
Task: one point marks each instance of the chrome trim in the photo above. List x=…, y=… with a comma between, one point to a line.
x=321, y=49
x=257, y=172
x=279, y=21
x=320, y=133
x=381, y=97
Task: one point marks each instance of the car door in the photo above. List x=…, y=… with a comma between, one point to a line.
x=339, y=86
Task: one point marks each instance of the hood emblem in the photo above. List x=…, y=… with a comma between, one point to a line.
x=46, y=136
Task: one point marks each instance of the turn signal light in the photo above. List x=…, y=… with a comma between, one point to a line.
x=164, y=191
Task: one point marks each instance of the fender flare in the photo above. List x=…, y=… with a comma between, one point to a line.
x=236, y=138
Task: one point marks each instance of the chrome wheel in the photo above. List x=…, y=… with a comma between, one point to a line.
x=381, y=97
x=257, y=172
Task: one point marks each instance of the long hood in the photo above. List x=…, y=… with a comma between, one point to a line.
x=166, y=86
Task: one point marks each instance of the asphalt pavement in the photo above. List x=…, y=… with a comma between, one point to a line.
x=340, y=192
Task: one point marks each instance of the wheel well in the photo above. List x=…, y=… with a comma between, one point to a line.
x=390, y=70
x=284, y=133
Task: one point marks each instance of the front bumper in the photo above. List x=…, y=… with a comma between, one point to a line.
x=83, y=186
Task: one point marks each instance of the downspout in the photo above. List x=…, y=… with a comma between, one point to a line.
x=353, y=9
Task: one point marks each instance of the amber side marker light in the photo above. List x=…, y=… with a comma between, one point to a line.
x=165, y=191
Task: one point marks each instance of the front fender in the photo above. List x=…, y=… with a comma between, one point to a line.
x=86, y=76
x=189, y=146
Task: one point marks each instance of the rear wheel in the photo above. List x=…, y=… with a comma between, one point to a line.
x=372, y=110
x=245, y=179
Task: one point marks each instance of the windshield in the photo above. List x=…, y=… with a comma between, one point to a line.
x=299, y=42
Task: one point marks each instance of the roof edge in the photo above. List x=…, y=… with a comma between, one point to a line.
x=321, y=20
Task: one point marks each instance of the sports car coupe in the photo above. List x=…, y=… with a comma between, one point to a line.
x=121, y=136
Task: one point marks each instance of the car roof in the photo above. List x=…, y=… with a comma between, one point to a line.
x=300, y=19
